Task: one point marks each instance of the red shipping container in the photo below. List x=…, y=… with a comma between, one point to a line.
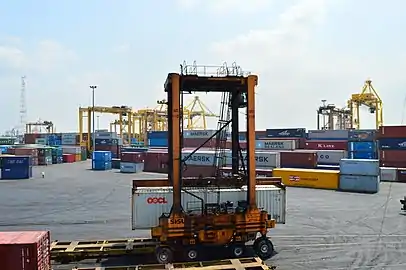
x=156, y=161
x=26, y=152
x=326, y=145
x=243, y=145
x=391, y=132
x=392, y=164
x=134, y=157
x=25, y=250
x=29, y=138
x=392, y=156
x=69, y=158
x=35, y=161
x=197, y=142
x=198, y=171
x=307, y=160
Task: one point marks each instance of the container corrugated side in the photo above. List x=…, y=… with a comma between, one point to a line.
x=330, y=157
x=359, y=167
x=311, y=178
x=359, y=183
x=262, y=159
x=328, y=134
x=276, y=144
x=389, y=174
x=148, y=204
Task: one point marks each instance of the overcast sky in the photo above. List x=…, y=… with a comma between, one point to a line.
x=303, y=51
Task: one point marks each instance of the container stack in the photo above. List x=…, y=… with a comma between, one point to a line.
x=57, y=155
x=44, y=156
x=359, y=175
x=198, y=138
x=68, y=138
x=101, y=161
x=7, y=140
x=297, y=135
x=54, y=140
x=362, y=144
x=131, y=162
x=75, y=151
x=26, y=151
x=41, y=141
x=392, y=146
x=157, y=139
x=25, y=250
x=108, y=141
x=16, y=167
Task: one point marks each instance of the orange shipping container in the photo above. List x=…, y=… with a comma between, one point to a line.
x=78, y=157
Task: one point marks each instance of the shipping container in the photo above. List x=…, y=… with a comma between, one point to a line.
x=243, y=145
x=330, y=157
x=71, y=149
x=115, y=163
x=362, y=155
x=78, y=157
x=16, y=172
x=115, y=150
x=148, y=204
x=156, y=161
x=393, y=156
x=100, y=165
x=362, y=135
x=226, y=172
x=391, y=132
x=157, y=135
x=29, y=250
x=106, y=141
x=362, y=146
x=276, y=144
x=198, y=134
x=134, y=157
x=16, y=161
x=69, y=141
x=29, y=138
x=260, y=134
x=389, y=174
x=201, y=158
x=286, y=132
x=359, y=183
x=199, y=142
x=328, y=135
x=68, y=158
x=42, y=141
x=44, y=160
x=104, y=156
x=262, y=159
x=296, y=159
x=7, y=140
x=401, y=175
x=326, y=145
x=157, y=142
x=199, y=171
x=392, y=144
x=106, y=135
x=368, y=167
x=323, y=179
x=130, y=167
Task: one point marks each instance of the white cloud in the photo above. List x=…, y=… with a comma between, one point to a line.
x=224, y=6
x=11, y=57
x=294, y=74
x=122, y=48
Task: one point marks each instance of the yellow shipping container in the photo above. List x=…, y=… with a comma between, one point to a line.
x=324, y=179
x=78, y=157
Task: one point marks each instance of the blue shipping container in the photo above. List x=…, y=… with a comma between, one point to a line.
x=362, y=146
x=362, y=135
x=286, y=132
x=128, y=167
x=369, y=167
x=104, y=156
x=359, y=183
x=17, y=161
x=392, y=144
x=157, y=135
x=362, y=155
x=157, y=142
x=16, y=172
x=101, y=165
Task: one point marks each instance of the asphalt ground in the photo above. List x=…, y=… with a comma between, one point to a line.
x=324, y=229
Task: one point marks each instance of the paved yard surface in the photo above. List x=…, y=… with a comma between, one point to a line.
x=324, y=230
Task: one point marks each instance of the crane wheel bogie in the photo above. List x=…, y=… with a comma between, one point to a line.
x=237, y=250
x=164, y=254
x=192, y=254
x=264, y=248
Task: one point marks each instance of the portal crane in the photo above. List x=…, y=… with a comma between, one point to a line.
x=331, y=117
x=369, y=98
x=216, y=224
x=123, y=112
x=48, y=125
x=196, y=112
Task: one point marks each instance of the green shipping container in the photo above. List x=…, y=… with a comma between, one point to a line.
x=7, y=141
x=45, y=152
x=83, y=154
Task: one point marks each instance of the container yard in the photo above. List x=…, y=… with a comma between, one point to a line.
x=287, y=198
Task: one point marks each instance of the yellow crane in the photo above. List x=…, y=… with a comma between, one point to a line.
x=124, y=113
x=196, y=113
x=32, y=127
x=369, y=98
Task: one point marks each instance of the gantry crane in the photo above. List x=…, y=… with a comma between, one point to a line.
x=331, y=117
x=124, y=113
x=195, y=113
x=48, y=125
x=369, y=98
x=215, y=224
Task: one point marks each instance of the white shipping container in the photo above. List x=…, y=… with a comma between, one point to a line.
x=276, y=144
x=262, y=159
x=148, y=204
x=69, y=135
x=330, y=157
x=198, y=134
x=389, y=174
x=328, y=134
x=68, y=141
x=71, y=149
x=200, y=158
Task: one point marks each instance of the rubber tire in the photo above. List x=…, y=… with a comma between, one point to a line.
x=164, y=255
x=190, y=251
x=241, y=248
x=264, y=248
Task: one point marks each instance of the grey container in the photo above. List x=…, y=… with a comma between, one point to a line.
x=359, y=183
x=328, y=134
